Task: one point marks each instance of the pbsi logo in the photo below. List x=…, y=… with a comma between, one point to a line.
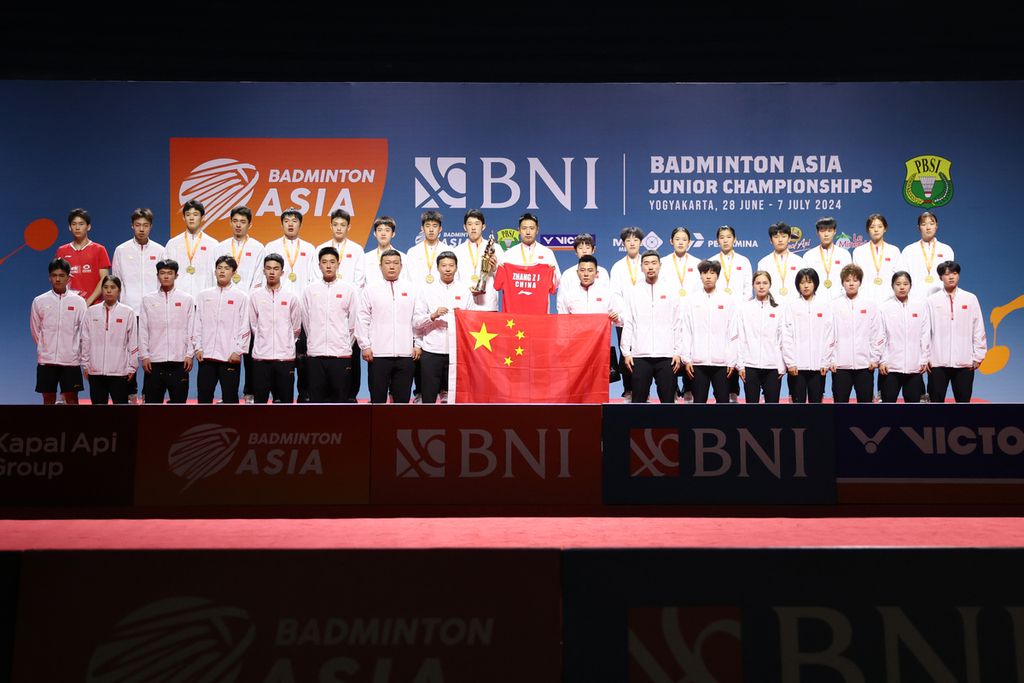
x=443, y=182
x=717, y=452
x=476, y=453
x=701, y=644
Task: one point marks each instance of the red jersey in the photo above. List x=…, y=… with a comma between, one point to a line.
x=526, y=287
x=85, y=266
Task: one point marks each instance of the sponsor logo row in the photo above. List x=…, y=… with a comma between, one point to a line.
x=498, y=455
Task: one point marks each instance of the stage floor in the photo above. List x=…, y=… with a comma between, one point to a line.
x=510, y=533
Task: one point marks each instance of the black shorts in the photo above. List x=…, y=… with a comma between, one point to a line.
x=68, y=376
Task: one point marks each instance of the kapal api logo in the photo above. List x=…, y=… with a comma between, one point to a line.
x=929, y=182
x=149, y=644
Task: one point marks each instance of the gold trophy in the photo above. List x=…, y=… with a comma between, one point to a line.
x=480, y=286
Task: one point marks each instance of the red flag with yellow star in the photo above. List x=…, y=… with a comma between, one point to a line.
x=506, y=358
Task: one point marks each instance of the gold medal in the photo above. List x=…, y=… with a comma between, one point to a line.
x=191, y=270
x=682, y=292
x=292, y=276
x=430, y=278
x=878, y=280
x=728, y=290
x=784, y=291
x=929, y=279
x=476, y=277
x=828, y=284
x=236, y=278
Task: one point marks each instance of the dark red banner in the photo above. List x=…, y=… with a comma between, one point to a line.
x=236, y=617
x=486, y=454
x=253, y=455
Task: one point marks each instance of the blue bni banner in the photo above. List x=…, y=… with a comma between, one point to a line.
x=734, y=616
x=718, y=454
x=930, y=442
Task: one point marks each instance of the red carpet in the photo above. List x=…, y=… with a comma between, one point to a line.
x=567, y=533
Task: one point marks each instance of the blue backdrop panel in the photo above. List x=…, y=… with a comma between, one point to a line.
x=583, y=157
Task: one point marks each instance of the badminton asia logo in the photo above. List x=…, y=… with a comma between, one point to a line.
x=698, y=644
x=929, y=182
x=149, y=644
x=204, y=450
x=220, y=185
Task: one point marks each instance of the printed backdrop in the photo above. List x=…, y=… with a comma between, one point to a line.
x=582, y=157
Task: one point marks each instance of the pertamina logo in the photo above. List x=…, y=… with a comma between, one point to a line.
x=444, y=182
x=150, y=644
x=270, y=175
x=701, y=644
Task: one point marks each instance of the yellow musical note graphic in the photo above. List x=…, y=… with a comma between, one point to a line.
x=998, y=356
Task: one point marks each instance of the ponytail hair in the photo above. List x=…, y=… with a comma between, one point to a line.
x=771, y=299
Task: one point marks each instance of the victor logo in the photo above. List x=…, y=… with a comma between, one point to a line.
x=870, y=443
x=221, y=185
x=202, y=451
x=184, y=639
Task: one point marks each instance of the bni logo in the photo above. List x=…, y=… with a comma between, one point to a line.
x=201, y=452
x=700, y=644
x=653, y=452
x=221, y=185
x=421, y=455
x=440, y=182
x=151, y=644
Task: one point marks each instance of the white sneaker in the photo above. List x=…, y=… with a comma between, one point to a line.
x=417, y=398
x=444, y=397
x=734, y=398
x=688, y=397
x=248, y=399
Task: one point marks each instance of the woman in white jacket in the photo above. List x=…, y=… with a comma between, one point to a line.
x=110, y=352
x=808, y=340
x=907, y=343
x=761, y=366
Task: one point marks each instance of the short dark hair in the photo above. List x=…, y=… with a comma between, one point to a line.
x=706, y=265
x=143, y=213
x=589, y=258
x=391, y=252
x=431, y=215
x=584, y=238
x=112, y=278
x=807, y=274
x=826, y=223
x=851, y=269
x=385, y=220
x=650, y=252
x=873, y=217
x=678, y=230
x=224, y=258
x=291, y=211
x=718, y=233
x=328, y=251
x=447, y=254
x=167, y=264
x=241, y=211
x=277, y=258
x=528, y=217
x=59, y=264
x=79, y=213
x=927, y=214
x=631, y=231
x=779, y=229
x=194, y=204
x=474, y=213
x=946, y=267
x=341, y=213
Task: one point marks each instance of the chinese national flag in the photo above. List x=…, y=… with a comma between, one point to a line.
x=512, y=358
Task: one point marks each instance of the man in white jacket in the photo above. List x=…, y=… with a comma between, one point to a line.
x=958, y=343
x=167, y=337
x=385, y=333
x=222, y=334
x=330, y=309
x=711, y=336
x=56, y=323
x=434, y=324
